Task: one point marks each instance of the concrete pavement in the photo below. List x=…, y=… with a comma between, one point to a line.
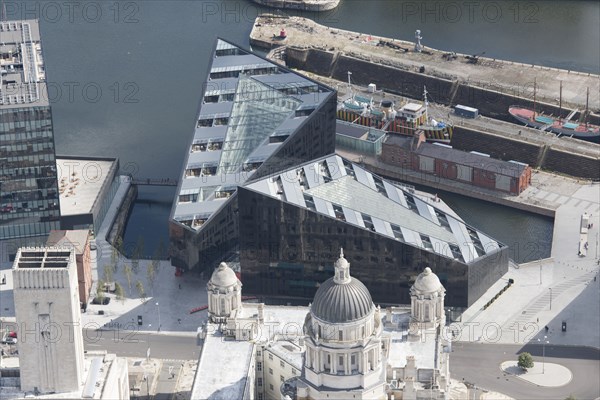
x=544, y=374
x=546, y=293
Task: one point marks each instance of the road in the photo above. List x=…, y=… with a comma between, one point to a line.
x=135, y=344
x=480, y=364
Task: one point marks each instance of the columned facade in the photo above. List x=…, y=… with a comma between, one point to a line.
x=224, y=294
x=344, y=357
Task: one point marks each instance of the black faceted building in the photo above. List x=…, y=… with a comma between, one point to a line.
x=256, y=118
x=291, y=223
x=262, y=188
x=29, y=198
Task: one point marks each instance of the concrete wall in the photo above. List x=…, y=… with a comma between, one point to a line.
x=487, y=99
x=489, y=102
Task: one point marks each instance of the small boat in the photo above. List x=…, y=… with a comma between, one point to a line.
x=560, y=126
x=384, y=115
x=553, y=124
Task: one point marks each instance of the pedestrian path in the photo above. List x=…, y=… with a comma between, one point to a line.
x=565, y=288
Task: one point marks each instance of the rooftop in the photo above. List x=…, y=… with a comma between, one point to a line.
x=97, y=367
x=339, y=189
x=509, y=168
x=229, y=381
x=250, y=107
x=42, y=257
x=80, y=182
x=23, y=75
x=75, y=239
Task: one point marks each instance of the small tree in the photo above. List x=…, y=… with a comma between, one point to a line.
x=135, y=264
x=525, y=361
x=151, y=273
x=100, y=291
x=128, y=273
x=571, y=397
x=109, y=271
x=141, y=291
x=119, y=292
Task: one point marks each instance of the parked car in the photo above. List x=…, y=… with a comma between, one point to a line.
x=9, y=340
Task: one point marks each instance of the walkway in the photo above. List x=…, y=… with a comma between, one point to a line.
x=563, y=288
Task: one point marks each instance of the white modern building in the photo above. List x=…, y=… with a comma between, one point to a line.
x=342, y=346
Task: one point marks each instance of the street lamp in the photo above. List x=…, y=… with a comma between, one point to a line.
x=158, y=309
x=544, y=352
x=148, y=351
x=550, y=289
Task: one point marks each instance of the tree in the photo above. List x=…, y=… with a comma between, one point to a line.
x=525, y=361
x=151, y=272
x=571, y=397
x=109, y=271
x=135, y=264
x=119, y=292
x=128, y=273
x=141, y=291
x=100, y=291
x=114, y=256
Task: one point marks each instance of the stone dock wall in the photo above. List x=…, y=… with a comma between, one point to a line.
x=490, y=103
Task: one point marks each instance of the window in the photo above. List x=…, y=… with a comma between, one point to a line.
x=260, y=396
x=282, y=364
x=258, y=353
x=341, y=336
x=271, y=386
x=259, y=366
x=341, y=360
x=271, y=371
x=281, y=378
x=259, y=381
x=294, y=372
x=270, y=356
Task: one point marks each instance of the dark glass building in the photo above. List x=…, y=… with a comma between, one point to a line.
x=291, y=223
x=29, y=198
x=262, y=187
x=256, y=118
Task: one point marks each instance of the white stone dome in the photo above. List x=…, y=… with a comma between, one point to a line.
x=223, y=276
x=427, y=282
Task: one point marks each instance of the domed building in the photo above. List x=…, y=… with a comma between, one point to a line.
x=344, y=357
x=224, y=294
x=427, y=300
x=341, y=347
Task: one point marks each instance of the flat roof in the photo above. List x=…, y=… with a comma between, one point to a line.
x=223, y=368
x=23, y=77
x=459, y=156
x=80, y=182
x=75, y=239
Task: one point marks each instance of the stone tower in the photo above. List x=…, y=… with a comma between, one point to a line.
x=224, y=294
x=49, y=320
x=343, y=330
x=427, y=300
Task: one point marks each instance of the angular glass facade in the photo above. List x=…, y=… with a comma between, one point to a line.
x=256, y=117
x=291, y=223
x=29, y=204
